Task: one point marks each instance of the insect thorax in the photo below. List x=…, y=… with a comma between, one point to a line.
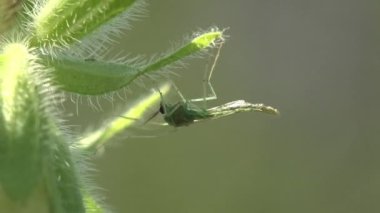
x=183, y=114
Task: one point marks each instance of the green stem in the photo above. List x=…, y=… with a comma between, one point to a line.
x=93, y=141
x=34, y=154
x=62, y=22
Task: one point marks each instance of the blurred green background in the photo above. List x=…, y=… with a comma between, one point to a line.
x=317, y=61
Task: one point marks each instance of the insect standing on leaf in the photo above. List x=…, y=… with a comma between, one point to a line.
x=186, y=112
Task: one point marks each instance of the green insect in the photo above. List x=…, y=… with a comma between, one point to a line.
x=186, y=112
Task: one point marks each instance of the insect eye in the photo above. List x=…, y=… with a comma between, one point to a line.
x=162, y=110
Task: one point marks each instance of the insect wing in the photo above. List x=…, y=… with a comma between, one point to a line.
x=239, y=106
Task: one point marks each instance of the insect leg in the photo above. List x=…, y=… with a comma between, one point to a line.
x=178, y=92
x=207, y=86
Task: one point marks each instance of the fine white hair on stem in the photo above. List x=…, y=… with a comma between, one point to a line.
x=140, y=62
x=97, y=39
x=113, y=29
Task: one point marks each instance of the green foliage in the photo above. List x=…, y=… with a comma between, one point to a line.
x=62, y=22
x=38, y=169
x=93, y=77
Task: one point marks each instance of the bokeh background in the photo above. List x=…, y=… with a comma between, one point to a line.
x=317, y=61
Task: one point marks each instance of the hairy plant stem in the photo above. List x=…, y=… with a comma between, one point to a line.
x=39, y=171
x=34, y=153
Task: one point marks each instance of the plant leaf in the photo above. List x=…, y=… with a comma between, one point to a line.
x=90, y=77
